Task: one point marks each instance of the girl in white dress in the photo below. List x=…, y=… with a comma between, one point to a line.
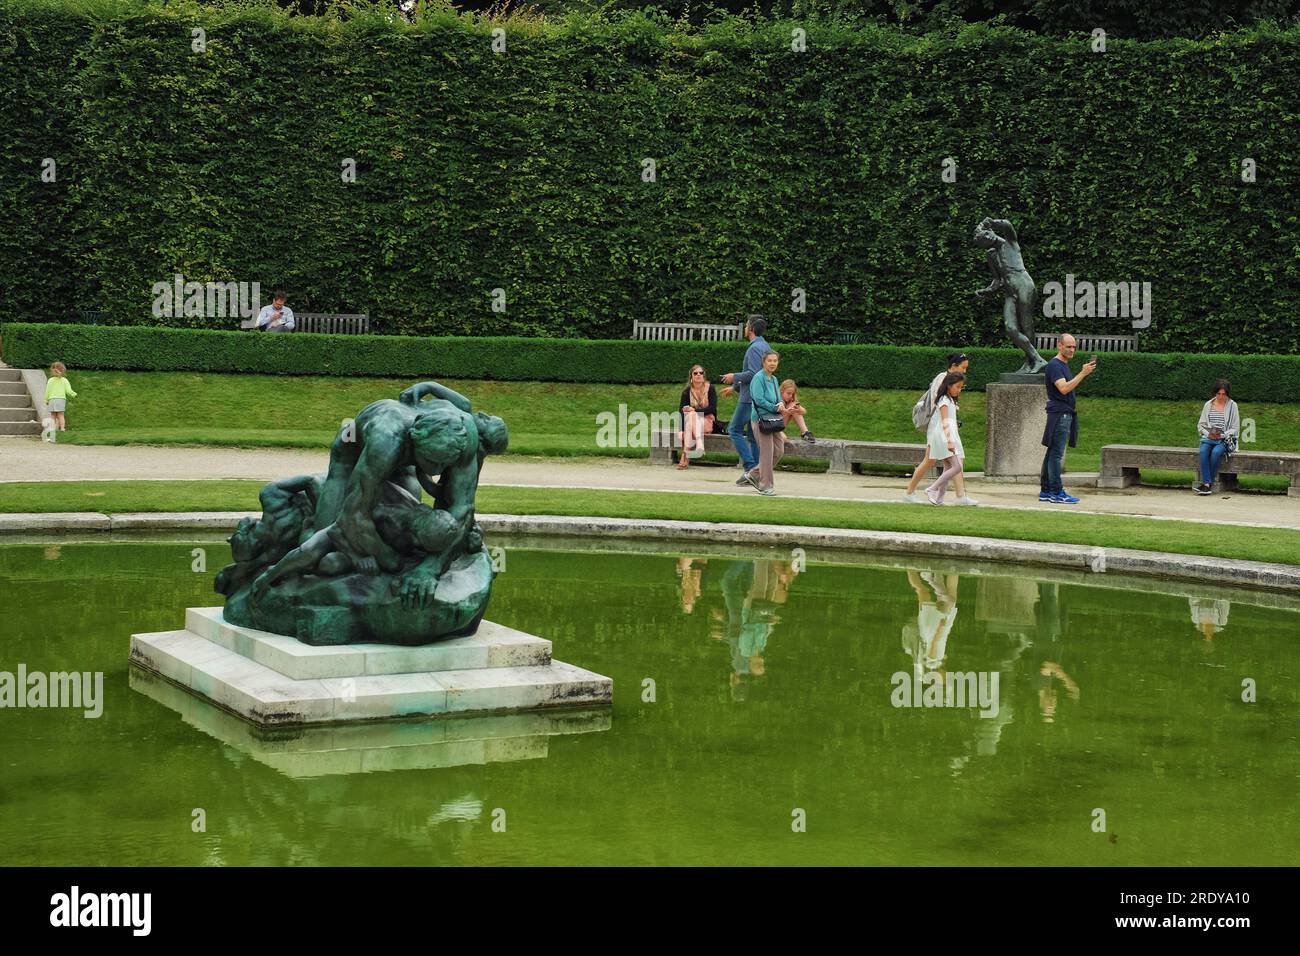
x=943, y=438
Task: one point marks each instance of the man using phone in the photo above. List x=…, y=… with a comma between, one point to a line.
x=276, y=317
x=1062, y=420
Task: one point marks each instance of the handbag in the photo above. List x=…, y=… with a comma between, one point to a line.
x=771, y=422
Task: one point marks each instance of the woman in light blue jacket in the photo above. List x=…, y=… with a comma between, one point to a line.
x=765, y=392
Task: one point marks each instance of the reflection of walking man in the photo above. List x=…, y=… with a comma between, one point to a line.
x=740, y=430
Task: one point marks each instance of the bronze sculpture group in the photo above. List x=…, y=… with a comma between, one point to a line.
x=353, y=555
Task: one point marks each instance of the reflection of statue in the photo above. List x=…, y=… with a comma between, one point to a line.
x=1007, y=268
x=353, y=555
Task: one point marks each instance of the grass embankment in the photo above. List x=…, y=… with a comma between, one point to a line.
x=556, y=419
x=1117, y=531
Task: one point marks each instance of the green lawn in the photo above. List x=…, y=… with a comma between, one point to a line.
x=1258, y=544
x=557, y=419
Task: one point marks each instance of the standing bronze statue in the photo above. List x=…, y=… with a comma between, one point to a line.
x=1007, y=268
x=353, y=555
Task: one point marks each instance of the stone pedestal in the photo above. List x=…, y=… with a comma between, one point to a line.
x=1017, y=416
x=273, y=680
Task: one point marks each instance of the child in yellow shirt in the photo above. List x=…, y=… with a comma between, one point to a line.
x=57, y=392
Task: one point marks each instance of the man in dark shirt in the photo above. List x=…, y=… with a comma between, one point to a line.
x=1062, y=421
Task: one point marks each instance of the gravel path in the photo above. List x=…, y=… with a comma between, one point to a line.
x=29, y=459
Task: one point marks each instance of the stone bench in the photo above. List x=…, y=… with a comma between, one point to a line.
x=841, y=455
x=1121, y=465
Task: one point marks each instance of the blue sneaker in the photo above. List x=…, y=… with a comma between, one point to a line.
x=1046, y=496
x=1064, y=498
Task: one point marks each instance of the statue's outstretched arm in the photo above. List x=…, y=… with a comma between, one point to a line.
x=416, y=393
x=300, y=559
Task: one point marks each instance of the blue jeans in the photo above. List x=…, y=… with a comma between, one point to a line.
x=1212, y=452
x=1049, y=479
x=742, y=436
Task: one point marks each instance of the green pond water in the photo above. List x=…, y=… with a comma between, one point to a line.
x=773, y=736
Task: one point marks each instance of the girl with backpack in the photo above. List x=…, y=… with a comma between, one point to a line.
x=922, y=412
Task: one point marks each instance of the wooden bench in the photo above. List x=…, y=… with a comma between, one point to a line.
x=1121, y=465
x=1089, y=343
x=331, y=323
x=841, y=455
x=686, y=332
x=323, y=323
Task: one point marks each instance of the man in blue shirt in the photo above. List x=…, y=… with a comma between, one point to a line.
x=1062, y=421
x=741, y=432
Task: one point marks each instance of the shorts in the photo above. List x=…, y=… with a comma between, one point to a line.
x=57, y=404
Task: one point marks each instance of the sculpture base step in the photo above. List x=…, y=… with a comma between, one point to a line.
x=266, y=696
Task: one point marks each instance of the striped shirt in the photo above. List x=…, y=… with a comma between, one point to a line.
x=1218, y=419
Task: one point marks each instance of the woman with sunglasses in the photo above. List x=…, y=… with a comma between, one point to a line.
x=699, y=407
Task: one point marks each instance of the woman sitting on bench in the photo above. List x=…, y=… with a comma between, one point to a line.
x=1219, y=426
x=699, y=407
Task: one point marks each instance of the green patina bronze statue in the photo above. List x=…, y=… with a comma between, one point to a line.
x=1010, y=277
x=353, y=555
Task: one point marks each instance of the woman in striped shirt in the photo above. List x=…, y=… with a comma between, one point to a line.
x=1219, y=426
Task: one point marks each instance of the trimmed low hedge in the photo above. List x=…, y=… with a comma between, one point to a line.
x=1261, y=378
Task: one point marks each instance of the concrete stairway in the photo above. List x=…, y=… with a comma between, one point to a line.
x=17, y=416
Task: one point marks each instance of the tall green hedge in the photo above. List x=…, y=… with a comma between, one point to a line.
x=522, y=171
x=1262, y=378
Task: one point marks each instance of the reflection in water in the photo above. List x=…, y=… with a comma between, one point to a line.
x=752, y=591
x=926, y=641
x=1209, y=617
x=936, y=786
x=691, y=572
x=379, y=745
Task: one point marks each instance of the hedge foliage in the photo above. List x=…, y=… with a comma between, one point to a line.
x=1271, y=378
x=523, y=171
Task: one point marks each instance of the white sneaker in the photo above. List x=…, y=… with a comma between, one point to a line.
x=913, y=498
x=965, y=500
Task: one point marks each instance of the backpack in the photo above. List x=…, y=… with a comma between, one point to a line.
x=923, y=410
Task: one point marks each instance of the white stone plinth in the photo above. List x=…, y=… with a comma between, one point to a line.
x=1017, y=417
x=272, y=680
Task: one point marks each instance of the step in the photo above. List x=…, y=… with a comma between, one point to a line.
x=13, y=388
x=27, y=414
x=491, y=646
x=19, y=428
x=268, y=698
x=15, y=401
x=10, y=375
x=377, y=745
